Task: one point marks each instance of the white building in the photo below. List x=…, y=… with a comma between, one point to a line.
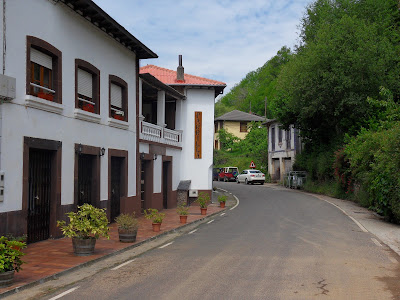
x=178, y=128
x=283, y=145
x=70, y=135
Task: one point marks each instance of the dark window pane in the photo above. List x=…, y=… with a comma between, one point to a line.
x=36, y=73
x=46, y=78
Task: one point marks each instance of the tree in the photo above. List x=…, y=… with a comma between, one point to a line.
x=345, y=56
x=227, y=139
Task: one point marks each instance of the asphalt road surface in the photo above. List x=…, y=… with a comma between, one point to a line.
x=276, y=244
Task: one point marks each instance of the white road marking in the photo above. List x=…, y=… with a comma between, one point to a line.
x=337, y=206
x=358, y=224
x=193, y=231
x=222, y=214
x=166, y=245
x=223, y=190
x=376, y=242
x=237, y=202
x=393, y=260
x=209, y=222
x=65, y=293
x=123, y=264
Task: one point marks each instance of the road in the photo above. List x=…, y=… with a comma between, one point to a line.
x=276, y=244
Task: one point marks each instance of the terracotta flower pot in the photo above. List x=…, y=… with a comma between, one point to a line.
x=203, y=211
x=183, y=219
x=222, y=204
x=156, y=227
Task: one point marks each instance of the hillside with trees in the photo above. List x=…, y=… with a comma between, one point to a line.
x=341, y=88
x=251, y=92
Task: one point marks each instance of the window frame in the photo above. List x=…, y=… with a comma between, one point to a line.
x=244, y=124
x=122, y=83
x=88, y=67
x=273, y=137
x=56, y=55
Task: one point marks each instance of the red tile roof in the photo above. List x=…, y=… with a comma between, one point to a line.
x=167, y=76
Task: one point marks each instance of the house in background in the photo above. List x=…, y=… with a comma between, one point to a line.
x=235, y=122
x=283, y=145
x=72, y=129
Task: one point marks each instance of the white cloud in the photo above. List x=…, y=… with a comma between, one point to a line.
x=219, y=39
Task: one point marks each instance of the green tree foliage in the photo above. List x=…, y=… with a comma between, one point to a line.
x=254, y=147
x=374, y=159
x=349, y=49
x=255, y=87
x=227, y=139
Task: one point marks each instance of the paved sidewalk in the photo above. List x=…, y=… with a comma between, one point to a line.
x=48, y=258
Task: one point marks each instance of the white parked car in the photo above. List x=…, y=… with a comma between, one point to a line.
x=251, y=176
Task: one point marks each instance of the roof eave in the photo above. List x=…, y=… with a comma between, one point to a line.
x=153, y=81
x=219, y=89
x=99, y=18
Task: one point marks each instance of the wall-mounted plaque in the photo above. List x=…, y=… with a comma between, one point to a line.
x=197, y=133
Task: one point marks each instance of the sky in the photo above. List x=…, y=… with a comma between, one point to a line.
x=218, y=39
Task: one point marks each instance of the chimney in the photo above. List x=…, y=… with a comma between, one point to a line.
x=180, y=72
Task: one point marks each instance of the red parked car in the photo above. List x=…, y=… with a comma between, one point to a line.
x=228, y=174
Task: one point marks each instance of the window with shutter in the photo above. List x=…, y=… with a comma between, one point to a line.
x=43, y=70
x=118, y=98
x=85, y=83
x=243, y=126
x=41, y=74
x=87, y=86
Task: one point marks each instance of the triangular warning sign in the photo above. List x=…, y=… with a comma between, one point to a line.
x=252, y=165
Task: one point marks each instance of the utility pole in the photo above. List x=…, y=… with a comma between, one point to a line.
x=265, y=109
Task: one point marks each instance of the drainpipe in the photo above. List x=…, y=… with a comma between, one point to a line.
x=4, y=37
x=4, y=70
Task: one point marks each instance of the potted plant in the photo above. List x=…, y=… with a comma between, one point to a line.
x=183, y=212
x=10, y=259
x=203, y=200
x=45, y=96
x=222, y=200
x=88, y=107
x=156, y=217
x=85, y=227
x=127, y=227
x=119, y=115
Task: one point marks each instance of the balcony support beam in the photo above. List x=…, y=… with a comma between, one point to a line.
x=161, y=108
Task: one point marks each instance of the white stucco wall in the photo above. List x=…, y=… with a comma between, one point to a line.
x=176, y=166
x=75, y=37
x=199, y=171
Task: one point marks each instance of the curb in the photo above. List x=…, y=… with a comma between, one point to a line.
x=91, y=262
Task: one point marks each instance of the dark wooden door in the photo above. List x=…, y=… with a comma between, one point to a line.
x=142, y=186
x=116, y=164
x=165, y=184
x=39, y=195
x=85, y=173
